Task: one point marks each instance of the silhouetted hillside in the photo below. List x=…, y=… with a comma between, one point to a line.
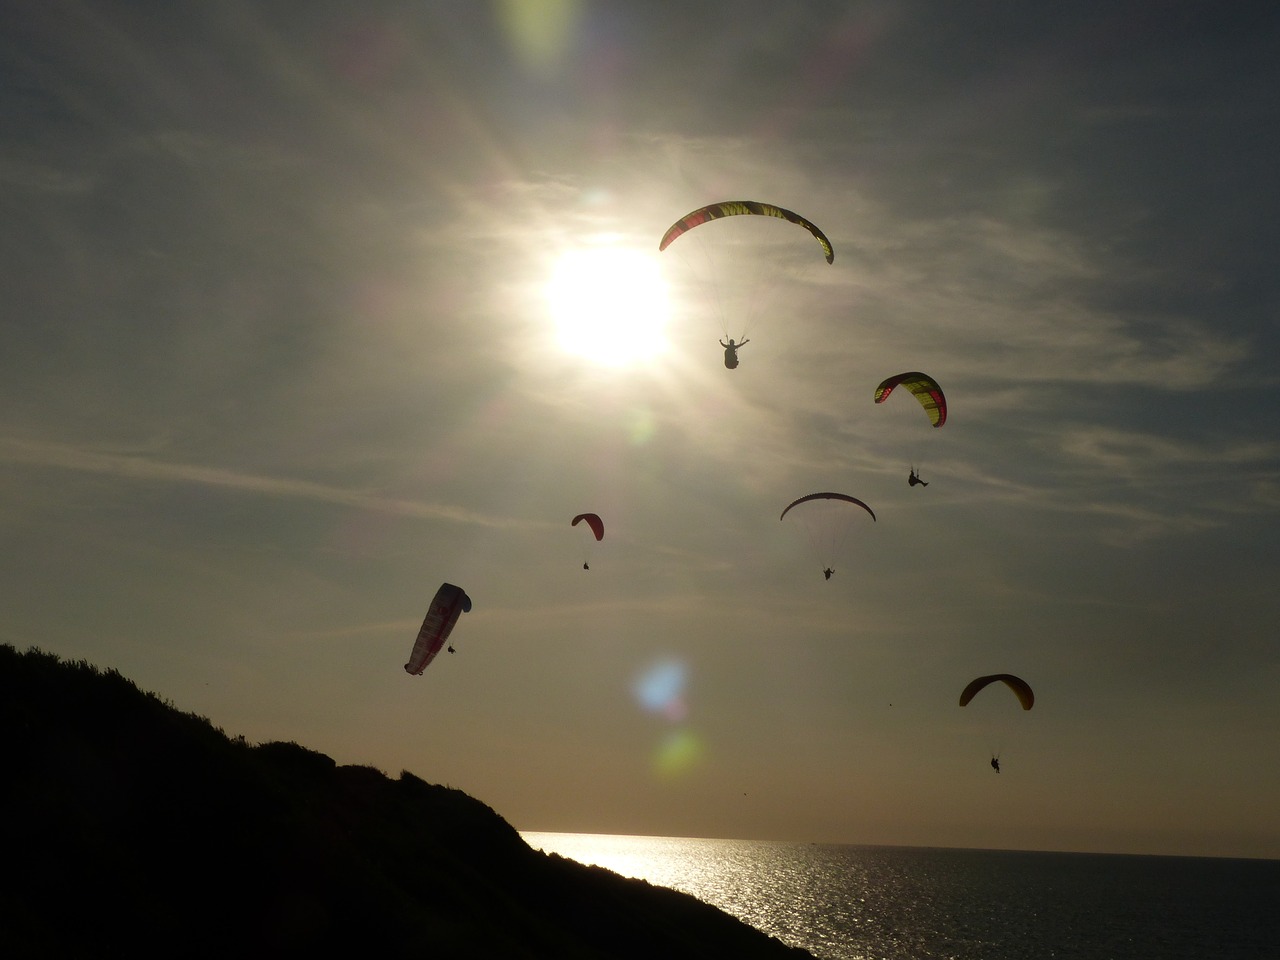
x=132, y=828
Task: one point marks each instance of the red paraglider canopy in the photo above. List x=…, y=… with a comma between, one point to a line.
x=449, y=603
x=593, y=521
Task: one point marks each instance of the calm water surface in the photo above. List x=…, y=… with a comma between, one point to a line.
x=914, y=903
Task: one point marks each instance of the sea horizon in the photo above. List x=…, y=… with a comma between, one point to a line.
x=902, y=846
x=844, y=901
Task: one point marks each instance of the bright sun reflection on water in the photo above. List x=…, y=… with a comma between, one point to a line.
x=609, y=305
x=847, y=902
x=756, y=881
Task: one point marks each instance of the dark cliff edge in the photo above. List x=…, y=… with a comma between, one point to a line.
x=131, y=828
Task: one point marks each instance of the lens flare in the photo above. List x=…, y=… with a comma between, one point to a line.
x=660, y=690
x=540, y=31
x=679, y=751
x=642, y=426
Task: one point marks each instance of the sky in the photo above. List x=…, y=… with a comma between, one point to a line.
x=310, y=307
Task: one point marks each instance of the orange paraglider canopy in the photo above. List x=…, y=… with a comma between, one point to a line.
x=1019, y=686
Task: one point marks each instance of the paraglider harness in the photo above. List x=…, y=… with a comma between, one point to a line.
x=731, y=353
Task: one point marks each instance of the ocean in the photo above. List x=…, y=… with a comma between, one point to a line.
x=844, y=902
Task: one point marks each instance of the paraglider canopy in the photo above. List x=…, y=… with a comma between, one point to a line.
x=593, y=521
x=733, y=208
x=449, y=603
x=1019, y=686
x=923, y=387
x=828, y=496
x=750, y=270
x=827, y=528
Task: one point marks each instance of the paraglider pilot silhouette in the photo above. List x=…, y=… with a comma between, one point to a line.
x=1021, y=689
x=731, y=352
x=913, y=478
x=597, y=529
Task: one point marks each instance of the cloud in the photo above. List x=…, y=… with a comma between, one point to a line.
x=42, y=178
x=1131, y=523
x=201, y=150
x=1020, y=302
x=68, y=457
x=1133, y=453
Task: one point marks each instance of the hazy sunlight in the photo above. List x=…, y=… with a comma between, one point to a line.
x=609, y=305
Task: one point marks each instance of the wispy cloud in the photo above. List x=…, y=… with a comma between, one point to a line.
x=199, y=150
x=68, y=457
x=1132, y=523
x=1131, y=453
x=42, y=178
x=1029, y=299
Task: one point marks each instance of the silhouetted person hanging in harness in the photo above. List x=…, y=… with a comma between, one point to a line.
x=827, y=572
x=731, y=352
x=995, y=764
x=914, y=478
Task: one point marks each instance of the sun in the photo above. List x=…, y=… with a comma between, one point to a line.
x=609, y=305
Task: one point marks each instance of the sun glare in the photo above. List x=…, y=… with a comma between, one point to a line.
x=609, y=305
